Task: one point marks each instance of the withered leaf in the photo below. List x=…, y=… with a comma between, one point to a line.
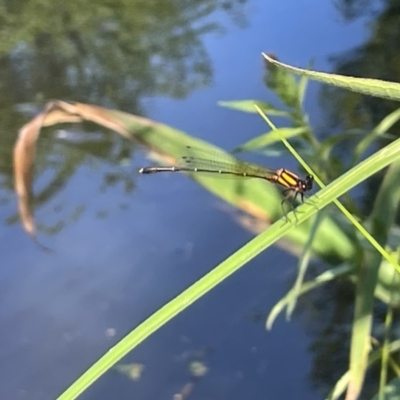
x=54, y=112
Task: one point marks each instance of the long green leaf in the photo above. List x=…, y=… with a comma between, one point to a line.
x=373, y=87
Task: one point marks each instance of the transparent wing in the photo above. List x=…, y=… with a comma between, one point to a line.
x=214, y=162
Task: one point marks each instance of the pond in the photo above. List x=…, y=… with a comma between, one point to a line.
x=122, y=244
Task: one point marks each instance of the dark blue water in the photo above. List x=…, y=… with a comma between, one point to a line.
x=123, y=249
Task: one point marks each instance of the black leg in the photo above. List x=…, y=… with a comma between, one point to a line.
x=310, y=202
x=287, y=193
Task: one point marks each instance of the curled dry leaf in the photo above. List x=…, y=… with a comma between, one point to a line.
x=25, y=148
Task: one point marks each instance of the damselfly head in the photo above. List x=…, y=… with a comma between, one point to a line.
x=308, y=183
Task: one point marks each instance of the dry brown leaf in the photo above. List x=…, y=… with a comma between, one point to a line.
x=25, y=148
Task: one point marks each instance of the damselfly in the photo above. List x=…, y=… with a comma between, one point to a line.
x=232, y=166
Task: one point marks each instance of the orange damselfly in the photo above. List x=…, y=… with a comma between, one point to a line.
x=232, y=166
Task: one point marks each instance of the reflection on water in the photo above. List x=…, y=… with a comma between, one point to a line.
x=116, y=55
x=110, y=53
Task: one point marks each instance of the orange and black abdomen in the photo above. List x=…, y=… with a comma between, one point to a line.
x=286, y=178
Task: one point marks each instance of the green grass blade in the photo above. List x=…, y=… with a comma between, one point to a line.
x=379, y=130
x=306, y=287
x=328, y=144
x=248, y=106
x=304, y=261
x=385, y=351
x=362, y=322
x=373, y=87
x=270, y=138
